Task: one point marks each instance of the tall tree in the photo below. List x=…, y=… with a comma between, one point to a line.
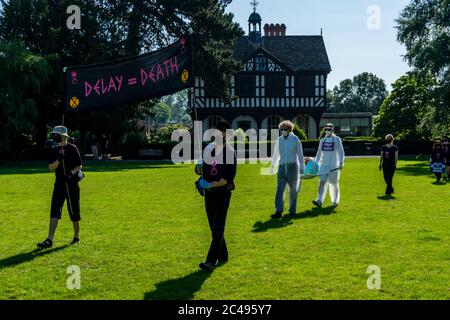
x=364, y=93
x=113, y=29
x=402, y=112
x=423, y=27
x=22, y=77
x=178, y=103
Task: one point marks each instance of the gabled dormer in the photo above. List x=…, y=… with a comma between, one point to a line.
x=262, y=61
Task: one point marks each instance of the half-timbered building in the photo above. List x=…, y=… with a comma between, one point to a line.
x=283, y=77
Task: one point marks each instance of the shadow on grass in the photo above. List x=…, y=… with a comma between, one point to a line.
x=179, y=289
x=440, y=183
x=89, y=166
x=26, y=257
x=416, y=169
x=286, y=220
x=386, y=197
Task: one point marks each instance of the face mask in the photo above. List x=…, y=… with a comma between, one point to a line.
x=284, y=132
x=389, y=141
x=57, y=138
x=328, y=132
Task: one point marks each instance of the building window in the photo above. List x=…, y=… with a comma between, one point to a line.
x=261, y=63
x=305, y=86
x=273, y=122
x=303, y=123
x=349, y=126
x=213, y=121
x=244, y=125
x=245, y=86
x=275, y=86
x=213, y=92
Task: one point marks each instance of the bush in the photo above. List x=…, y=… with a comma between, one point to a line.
x=300, y=133
x=165, y=133
x=133, y=142
x=360, y=138
x=240, y=136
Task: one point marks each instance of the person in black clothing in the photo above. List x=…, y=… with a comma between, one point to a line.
x=104, y=146
x=438, y=160
x=218, y=173
x=446, y=149
x=65, y=160
x=388, y=162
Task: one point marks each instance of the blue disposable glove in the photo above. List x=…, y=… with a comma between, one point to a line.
x=199, y=188
x=205, y=184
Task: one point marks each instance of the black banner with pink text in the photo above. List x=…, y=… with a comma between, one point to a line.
x=135, y=79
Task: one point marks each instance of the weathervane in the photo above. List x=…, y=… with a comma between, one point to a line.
x=254, y=3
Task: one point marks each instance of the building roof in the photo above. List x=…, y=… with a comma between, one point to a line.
x=299, y=53
x=254, y=17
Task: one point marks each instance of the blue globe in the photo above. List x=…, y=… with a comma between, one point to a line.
x=311, y=167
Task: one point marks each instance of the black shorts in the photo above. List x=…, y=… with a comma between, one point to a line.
x=60, y=195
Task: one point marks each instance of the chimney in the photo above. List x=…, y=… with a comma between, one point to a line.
x=266, y=30
x=283, y=30
x=277, y=30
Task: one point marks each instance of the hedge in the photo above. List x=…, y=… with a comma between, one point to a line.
x=352, y=148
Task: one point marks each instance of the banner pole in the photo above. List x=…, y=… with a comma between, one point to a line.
x=193, y=74
x=69, y=201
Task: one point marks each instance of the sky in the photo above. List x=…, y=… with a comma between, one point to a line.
x=353, y=47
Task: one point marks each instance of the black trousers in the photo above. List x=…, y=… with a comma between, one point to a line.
x=216, y=205
x=438, y=176
x=60, y=195
x=388, y=172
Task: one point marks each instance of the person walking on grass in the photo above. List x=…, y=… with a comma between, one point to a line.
x=446, y=150
x=65, y=160
x=388, y=162
x=218, y=172
x=288, y=157
x=438, y=160
x=330, y=157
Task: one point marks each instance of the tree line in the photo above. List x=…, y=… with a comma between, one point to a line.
x=418, y=106
x=35, y=45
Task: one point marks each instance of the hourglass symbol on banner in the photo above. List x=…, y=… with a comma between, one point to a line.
x=183, y=42
x=214, y=171
x=74, y=78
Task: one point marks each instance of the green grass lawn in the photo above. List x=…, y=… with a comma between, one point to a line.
x=144, y=231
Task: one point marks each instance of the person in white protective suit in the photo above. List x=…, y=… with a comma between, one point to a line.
x=330, y=156
x=288, y=157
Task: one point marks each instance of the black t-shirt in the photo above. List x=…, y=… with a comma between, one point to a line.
x=389, y=155
x=438, y=155
x=223, y=165
x=446, y=149
x=72, y=159
x=104, y=142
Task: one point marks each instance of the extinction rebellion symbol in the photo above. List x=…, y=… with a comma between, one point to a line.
x=185, y=76
x=74, y=102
